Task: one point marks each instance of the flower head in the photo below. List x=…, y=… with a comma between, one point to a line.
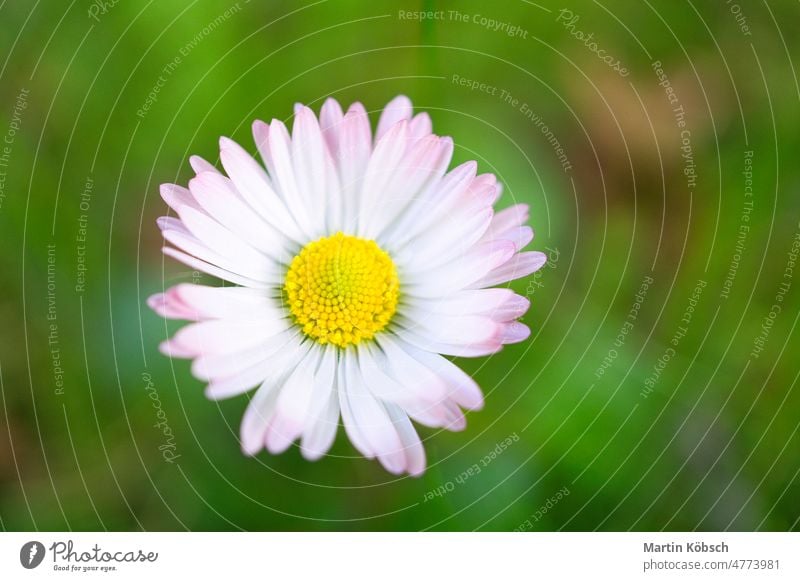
x=358, y=263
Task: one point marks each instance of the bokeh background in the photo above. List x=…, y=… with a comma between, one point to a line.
x=659, y=387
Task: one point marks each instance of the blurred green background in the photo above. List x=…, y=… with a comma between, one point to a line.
x=669, y=404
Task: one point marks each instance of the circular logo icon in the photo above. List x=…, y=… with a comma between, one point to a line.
x=31, y=554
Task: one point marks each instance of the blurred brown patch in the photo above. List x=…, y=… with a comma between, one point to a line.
x=634, y=130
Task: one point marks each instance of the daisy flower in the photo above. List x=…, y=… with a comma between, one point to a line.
x=359, y=262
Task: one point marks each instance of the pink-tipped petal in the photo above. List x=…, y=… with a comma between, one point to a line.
x=520, y=265
x=514, y=332
x=397, y=110
x=330, y=122
x=199, y=165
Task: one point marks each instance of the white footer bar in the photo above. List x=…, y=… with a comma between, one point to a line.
x=386, y=556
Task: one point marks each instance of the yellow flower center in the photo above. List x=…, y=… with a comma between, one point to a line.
x=342, y=289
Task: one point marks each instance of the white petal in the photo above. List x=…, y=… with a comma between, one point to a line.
x=222, y=241
x=200, y=165
x=415, y=377
x=259, y=269
x=330, y=121
x=514, y=332
x=172, y=223
x=323, y=413
x=176, y=196
x=501, y=304
x=457, y=350
x=462, y=272
x=291, y=409
x=212, y=269
x=214, y=366
x=462, y=217
x=240, y=382
x=520, y=236
x=282, y=172
x=455, y=418
x=228, y=335
x=169, y=306
x=256, y=418
x=221, y=200
x=271, y=369
x=368, y=416
x=376, y=372
x=420, y=126
x=197, y=302
x=434, y=204
x=453, y=238
x=172, y=349
x=400, y=385
x=351, y=427
x=412, y=446
x=296, y=398
x=507, y=219
x=433, y=415
x=485, y=187
x=460, y=330
x=261, y=139
x=228, y=302
x=520, y=265
x=419, y=166
x=324, y=380
x=254, y=185
x=319, y=438
x=313, y=167
x=428, y=412
x=462, y=389
x=513, y=308
x=386, y=158
x=355, y=148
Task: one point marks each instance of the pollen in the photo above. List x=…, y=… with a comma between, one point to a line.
x=342, y=290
